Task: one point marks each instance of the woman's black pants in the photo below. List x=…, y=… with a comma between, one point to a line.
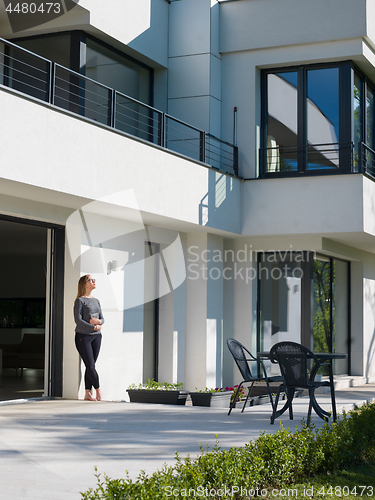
x=88, y=346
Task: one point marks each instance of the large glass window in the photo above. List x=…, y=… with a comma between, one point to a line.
x=90, y=95
x=330, y=308
x=279, y=275
x=357, y=120
x=117, y=71
x=304, y=298
x=363, y=124
x=56, y=48
x=306, y=123
x=282, y=121
x=369, y=149
x=322, y=118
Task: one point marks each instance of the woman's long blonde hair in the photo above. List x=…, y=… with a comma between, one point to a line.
x=82, y=285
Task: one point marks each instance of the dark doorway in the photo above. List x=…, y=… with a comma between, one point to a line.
x=28, y=270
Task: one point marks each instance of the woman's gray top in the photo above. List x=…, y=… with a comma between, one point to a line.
x=84, y=308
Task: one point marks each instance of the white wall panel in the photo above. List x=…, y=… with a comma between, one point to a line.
x=189, y=76
x=189, y=27
x=253, y=24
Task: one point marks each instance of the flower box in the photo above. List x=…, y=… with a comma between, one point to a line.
x=158, y=396
x=213, y=399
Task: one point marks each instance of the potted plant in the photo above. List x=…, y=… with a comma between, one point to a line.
x=158, y=393
x=216, y=398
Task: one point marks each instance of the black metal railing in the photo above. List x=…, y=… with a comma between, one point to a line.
x=30, y=74
x=368, y=160
x=329, y=157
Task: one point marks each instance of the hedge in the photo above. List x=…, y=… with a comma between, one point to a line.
x=271, y=460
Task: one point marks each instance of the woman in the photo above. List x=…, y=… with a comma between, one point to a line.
x=89, y=320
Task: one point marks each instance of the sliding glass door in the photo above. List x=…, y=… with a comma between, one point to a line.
x=331, y=308
x=304, y=297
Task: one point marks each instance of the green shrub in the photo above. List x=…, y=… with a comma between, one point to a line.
x=270, y=461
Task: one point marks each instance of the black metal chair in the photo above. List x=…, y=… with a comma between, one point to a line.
x=243, y=357
x=294, y=361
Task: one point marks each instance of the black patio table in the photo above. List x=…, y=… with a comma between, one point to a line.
x=322, y=358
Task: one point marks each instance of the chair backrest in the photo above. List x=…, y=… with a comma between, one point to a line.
x=241, y=356
x=293, y=360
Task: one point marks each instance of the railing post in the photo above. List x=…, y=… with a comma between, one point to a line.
x=362, y=159
x=161, y=130
x=112, y=110
x=202, y=146
x=235, y=160
x=51, y=92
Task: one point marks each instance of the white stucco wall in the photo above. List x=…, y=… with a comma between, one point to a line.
x=254, y=24
x=70, y=156
x=194, y=65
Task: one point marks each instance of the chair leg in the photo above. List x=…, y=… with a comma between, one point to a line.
x=311, y=396
x=247, y=397
x=270, y=394
x=274, y=409
x=290, y=406
x=233, y=403
x=333, y=399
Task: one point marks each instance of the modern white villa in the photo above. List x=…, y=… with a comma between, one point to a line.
x=211, y=163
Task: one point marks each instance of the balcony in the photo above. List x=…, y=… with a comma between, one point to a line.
x=45, y=81
x=311, y=159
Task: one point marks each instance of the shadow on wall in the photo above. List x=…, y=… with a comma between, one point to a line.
x=154, y=23
x=220, y=207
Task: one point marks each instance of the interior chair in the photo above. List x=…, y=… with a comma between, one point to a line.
x=243, y=358
x=294, y=361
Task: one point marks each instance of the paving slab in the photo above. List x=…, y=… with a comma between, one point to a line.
x=49, y=449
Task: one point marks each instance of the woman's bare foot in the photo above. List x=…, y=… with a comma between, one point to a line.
x=98, y=394
x=89, y=396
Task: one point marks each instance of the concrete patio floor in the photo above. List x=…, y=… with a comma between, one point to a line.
x=49, y=449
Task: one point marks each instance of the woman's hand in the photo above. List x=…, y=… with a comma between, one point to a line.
x=95, y=321
x=97, y=328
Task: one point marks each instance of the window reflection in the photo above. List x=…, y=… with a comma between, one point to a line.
x=322, y=118
x=282, y=122
x=114, y=70
x=330, y=308
x=357, y=119
x=280, y=300
x=370, y=157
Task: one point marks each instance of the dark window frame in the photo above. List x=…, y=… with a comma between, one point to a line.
x=345, y=117
x=365, y=83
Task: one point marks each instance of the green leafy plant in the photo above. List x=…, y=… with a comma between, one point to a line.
x=270, y=461
x=153, y=385
x=233, y=389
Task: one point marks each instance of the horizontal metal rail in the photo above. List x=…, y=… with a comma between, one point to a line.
x=368, y=159
x=309, y=157
x=44, y=80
